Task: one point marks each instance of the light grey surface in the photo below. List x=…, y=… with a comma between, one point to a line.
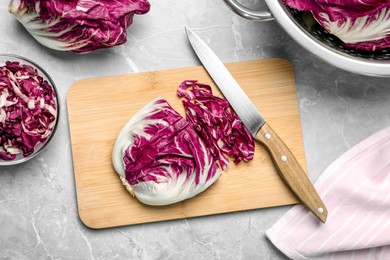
x=38, y=209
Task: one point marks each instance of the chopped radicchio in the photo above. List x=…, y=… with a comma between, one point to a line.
x=160, y=158
x=27, y=110
x=216, y=122
x=78, y=26
x=163, y=158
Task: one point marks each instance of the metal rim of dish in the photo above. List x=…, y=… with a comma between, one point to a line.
x=319, y=43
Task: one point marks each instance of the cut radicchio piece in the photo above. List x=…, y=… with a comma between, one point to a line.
x=78, y=26
x=216, y=122
x=160, y=158
x=28, y=110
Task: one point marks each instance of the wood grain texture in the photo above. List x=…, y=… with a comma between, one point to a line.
x=291, y=171
x=98, y=108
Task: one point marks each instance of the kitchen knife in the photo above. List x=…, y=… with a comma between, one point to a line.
x=284, y=161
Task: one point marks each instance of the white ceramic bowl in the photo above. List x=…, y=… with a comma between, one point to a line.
x=40, y=146
x=316, y=40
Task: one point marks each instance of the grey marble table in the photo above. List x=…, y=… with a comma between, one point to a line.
x=38, y=208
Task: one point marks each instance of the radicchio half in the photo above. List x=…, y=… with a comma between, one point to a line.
x=160, y=158
x=78, y=25
x=216, y=122
x=363, y=25
x=27, y=110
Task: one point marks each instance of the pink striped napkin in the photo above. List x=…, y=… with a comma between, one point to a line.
x=356, y=191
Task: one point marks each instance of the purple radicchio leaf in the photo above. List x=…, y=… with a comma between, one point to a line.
x=363, y=25
x=78, y=26
x=216, y=122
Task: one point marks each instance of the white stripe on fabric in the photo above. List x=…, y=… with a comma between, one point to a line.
x=383, y=187
x=324, y=193
x=356, y=212
x=342, y=203
x=333, y=182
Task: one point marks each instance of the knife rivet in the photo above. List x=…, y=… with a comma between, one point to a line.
x=320, y=210
x=267, y=136
x=283, y=158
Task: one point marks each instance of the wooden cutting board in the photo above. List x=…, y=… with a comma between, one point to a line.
x=99, y=107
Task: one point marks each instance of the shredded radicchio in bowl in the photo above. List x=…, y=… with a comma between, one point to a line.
x=28, y=110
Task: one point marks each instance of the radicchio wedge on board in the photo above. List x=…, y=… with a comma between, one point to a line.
x=217, y=123
x=160, y=158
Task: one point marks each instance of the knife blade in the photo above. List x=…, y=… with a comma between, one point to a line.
x=285, y=162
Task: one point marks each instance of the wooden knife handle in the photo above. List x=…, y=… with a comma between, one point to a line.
x=291, y=171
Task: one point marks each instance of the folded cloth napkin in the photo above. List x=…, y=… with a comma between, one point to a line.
x=356, y=191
